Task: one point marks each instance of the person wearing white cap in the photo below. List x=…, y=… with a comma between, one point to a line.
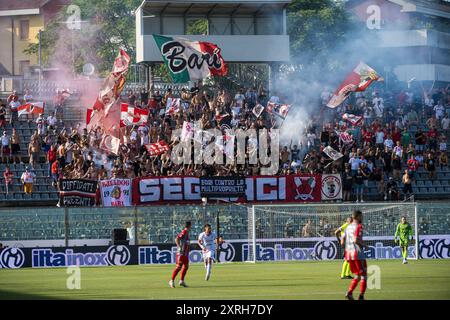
x=27, y=180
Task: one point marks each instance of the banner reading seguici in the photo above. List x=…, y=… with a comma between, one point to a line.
x=116, y=192
x=293, y=188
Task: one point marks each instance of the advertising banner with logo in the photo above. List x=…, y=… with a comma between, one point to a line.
x=331, y=187
x=293, y=188
x=77, y=192
x=116, y=192
x=289, y=249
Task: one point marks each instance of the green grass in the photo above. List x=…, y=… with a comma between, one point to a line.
x=423, y=279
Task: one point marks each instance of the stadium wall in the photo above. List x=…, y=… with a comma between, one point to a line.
x=430, y=247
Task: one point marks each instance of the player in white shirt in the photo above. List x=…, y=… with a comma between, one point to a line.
x=207, y=241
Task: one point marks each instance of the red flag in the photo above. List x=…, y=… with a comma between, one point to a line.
x=155, y=149
x=89, y=116
x=31, y=108
x=214, y=51
x=357, y=80
x=130, y=115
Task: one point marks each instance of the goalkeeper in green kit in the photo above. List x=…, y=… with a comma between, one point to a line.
x=403, y=235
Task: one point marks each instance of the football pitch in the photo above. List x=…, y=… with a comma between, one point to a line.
x=423, y=279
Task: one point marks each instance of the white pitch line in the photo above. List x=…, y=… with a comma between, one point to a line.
x=303, y=294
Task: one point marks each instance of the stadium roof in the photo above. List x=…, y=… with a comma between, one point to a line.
x=23, y=7
x=212, y=7
x=22, y=4
x=433, y=8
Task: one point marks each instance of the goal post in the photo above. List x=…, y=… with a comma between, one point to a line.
x=292, y=232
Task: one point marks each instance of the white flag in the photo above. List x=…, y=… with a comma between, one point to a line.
x=333, y=154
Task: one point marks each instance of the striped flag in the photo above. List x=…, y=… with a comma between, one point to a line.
x=173, y=105
x=345, y=137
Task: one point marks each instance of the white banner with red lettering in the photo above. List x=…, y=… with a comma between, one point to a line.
x=331, y=187
x=116, y=192
x=293, y=188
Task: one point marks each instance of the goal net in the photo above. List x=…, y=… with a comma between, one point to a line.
x=307, y=231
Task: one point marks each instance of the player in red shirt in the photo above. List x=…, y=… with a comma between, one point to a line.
x=182, y=241
x=354, y=254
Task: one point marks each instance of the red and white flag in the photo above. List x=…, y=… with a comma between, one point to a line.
x=353, y=119
x=31, y=108
x=280, y=110
x=173, y=105
x=357, y=80
x=155, y=149
x=113, y=84
x=187, y=131
x=257, y=110
x=283, y=111
x=121, y=63
x=110, y=144
x=131, y=115
x=225, y=144
x=345, y=137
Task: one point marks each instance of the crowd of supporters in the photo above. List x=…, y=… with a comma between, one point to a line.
x=388, y=146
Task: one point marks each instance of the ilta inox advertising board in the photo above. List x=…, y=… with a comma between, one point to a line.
x=289, y=249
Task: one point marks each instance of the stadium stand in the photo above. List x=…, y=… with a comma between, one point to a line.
x=73, y=114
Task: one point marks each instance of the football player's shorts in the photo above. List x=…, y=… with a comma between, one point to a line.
x=182, y=259
x=358, y=267
x=209, y=254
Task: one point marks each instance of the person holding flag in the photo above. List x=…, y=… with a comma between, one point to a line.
x=403, y=235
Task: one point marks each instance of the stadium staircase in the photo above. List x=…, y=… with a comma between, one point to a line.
x=43, y=191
